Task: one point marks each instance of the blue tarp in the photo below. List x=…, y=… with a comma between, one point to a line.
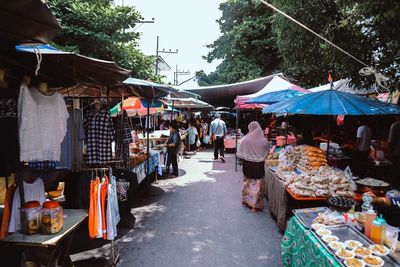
x=274, y=97
x=43, y=49
x=332, y=102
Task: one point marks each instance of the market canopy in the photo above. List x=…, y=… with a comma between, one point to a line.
x=332, y=102
x=135, y=106
x=275, y=97
x=151, y=90
x=27, y=21
x=275, y=85
x=190, y=103
x=222, y=95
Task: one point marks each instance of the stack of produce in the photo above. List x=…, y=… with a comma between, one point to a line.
x=312, y=158
x=272, y=159
x=322, y=182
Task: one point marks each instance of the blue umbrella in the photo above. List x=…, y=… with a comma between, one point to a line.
x=331, y=102
x=274, y=97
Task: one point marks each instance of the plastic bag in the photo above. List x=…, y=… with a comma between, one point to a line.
x=198, y=143
x=206, y=139
x=391, y=236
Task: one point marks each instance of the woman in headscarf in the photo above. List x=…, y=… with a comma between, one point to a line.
x=252, y=150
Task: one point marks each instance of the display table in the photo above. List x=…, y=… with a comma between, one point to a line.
x=57, y=246
x=141, y=169
x=281, y=201
x=300, y=248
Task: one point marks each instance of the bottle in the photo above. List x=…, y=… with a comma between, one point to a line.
x=383, y=225
x=369, y=218
x=376, y=231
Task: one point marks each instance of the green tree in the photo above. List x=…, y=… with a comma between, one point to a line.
x=246, y=46
x=97, y=29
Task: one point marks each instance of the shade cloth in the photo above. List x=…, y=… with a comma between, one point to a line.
x=332, y=102
x=300, y=248
x=189, y=103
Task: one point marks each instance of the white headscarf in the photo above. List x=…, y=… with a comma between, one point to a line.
x=253, y=146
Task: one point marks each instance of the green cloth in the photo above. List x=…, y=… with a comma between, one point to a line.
x=300, y=248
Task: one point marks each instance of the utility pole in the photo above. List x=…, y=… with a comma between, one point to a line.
x=178, y=73
x=158, y=51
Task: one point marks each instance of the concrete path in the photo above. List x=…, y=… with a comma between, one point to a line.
x=197, y=219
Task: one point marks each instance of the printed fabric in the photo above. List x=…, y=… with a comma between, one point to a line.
x=99, y=134
x=42, y=165
x=300, y=248
x=252, y=193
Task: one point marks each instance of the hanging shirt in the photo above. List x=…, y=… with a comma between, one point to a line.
x=32, y=192
x=7, y=211
x=99, y=231
x=42, y=125
x=93, y=208
x=71, y=147
x=99, y=136
x=112, y=216
x=103, y=196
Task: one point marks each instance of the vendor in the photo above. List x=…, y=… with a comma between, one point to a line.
x=390, y=210
x=172, y=149
x=362, y=146
x=394, y=142
x=135, y=135
x=270, y=130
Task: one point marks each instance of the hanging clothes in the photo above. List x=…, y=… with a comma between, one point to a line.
x=7, y=211
x=93, y=208
x=72, y=146
x=42, y=125
x=99, y=132
x=112, y=217
x=103, y=197
x=9, y=153
x=123, y=138
x=32, y=192
x=42, y=165
x=99, y=231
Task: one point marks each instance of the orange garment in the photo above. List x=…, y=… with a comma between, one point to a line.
x=103, y=196
x=93, y=208
x=7, y=211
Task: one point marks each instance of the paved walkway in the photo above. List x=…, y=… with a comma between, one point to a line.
x=198, y=220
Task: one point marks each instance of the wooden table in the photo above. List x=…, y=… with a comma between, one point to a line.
x=57, y=246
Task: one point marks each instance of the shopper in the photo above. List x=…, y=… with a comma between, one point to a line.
x=362, y=146
x=217, y=133
x=193, y=135
x=205, y=138
x=172, y=149
x=252, y=150
x=394, y=142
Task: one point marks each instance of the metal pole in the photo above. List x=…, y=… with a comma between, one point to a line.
x=148, y=142
x=236, y=136
x=329, y=138
x=158, y=38
x=172, y=113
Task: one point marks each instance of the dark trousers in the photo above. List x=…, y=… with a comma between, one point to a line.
x=172, y=159
x=219, y=146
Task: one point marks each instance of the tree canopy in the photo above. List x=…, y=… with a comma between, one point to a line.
x=255, y=41
x=97, y=29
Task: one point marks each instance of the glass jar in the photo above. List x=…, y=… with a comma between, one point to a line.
x=30, y=217
x=52, y=219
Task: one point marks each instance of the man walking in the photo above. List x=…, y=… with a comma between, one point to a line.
x=217, y=133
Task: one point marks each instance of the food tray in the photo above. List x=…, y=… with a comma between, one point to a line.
x=346, y=232
x=306, y=216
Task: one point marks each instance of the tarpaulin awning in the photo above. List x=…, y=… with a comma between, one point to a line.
x=151, y=90
x=62, y=68
x=332, y=102
x=27, y=21
x=276, y=84
x=274, y=97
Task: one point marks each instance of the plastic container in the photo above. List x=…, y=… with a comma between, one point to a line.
x=52, y=219
x=383, y=223
x=370, y=216
x=30, y=217
x=376, y=232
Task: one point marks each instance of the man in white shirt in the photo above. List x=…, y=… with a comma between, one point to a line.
x=363, y=144
x=217, y=133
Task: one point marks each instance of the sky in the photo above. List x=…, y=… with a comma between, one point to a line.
x=186, y=25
